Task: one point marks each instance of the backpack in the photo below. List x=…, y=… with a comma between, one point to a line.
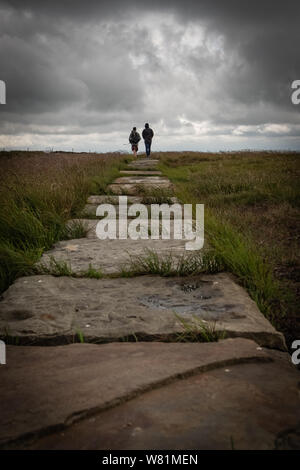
x=134, y=137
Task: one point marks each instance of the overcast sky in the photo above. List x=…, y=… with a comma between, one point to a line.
x=206, y=75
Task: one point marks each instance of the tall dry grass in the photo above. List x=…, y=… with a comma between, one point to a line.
x=39, y=192
x=252, y=220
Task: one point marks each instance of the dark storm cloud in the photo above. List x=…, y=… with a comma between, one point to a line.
x=230, y=10
x=54, y=69
x=81, y=67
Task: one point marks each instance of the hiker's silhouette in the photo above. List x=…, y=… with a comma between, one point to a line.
x=134, y=139
x=148, y=136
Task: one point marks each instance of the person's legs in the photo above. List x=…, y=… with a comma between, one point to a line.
x=148, y=146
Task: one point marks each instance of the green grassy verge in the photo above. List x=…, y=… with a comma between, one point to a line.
x=39, y=193
x=251, y=221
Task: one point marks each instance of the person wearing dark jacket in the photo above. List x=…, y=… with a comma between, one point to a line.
x=147, y=136
x=134, y=139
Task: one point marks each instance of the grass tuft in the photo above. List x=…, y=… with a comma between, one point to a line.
x=93, y=273
x=75, y=229
x=151, y=262
x=80, y=336
x=55, y=268
x=198, y=331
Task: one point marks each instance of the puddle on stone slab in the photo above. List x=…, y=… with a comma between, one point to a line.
x=199, y=289
x=206, y=312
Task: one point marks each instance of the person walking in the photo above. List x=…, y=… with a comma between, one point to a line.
x=148, y=136
x=134, y=139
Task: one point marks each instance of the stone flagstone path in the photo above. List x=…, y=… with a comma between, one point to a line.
x=152, y=393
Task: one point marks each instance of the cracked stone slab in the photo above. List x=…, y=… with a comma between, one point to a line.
x=249, y=406
x=46, y=389
x=114, y=200
x=134, y=189
x=91, y=209
x=91, y=224
x=144, y=167
x=108, y=255
x=143, y=163
x=141, y=172
x=157, y=180
x=146, y=160
x=46, y=309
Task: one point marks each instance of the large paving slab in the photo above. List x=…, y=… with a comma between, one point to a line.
x=93, y=202
x=110, y=199
x=46, y=389
x=114, y=200
x=141, y=172
x=50, y=310
x=91, y=224
x=253, y=406
x=134, y=189
x=143, y=163
x=141, y=180
x=130, y=184
x=108, y=255
x=90, y=210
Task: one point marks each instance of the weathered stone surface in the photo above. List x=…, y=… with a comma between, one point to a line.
x=91, y=224
x=108, y=255
x=143, y=163
x=47, y=388
x=141, y=172
x=115, y=199
x=133, y=189
x=51, y=309
x=110, y=199
x=90, y=210
x=242, y=406
x=157, y=180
